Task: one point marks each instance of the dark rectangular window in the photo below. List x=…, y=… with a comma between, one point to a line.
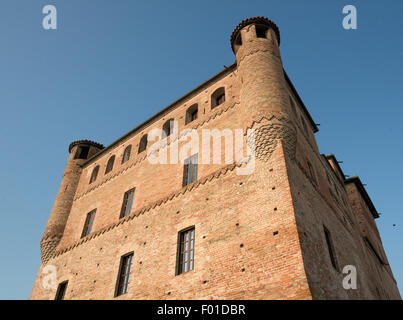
x=61, y=290
x=82, y=153
x=127, y=203
x=330, y=248
x=88, y=223
x=261, y=31
x=186, y=244
x=193, y=115
x=220, y=99
x=190, y=170
x=312, y=173
x=124, y=274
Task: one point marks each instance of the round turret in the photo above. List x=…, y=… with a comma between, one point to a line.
x=263, y=88
x=79, y=151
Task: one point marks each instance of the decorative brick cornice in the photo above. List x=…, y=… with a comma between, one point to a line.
x=86, y=142
x=215, y=175
x=254, y=20
x=267, y=133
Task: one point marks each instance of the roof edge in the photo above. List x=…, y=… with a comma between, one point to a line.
x=161, y=112
x=356, y=180
x=295, y=92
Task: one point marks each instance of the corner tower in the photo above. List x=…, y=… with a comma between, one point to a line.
x=79, y=152
x=255, y=42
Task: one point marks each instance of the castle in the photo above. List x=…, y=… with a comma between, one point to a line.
x=124, y=228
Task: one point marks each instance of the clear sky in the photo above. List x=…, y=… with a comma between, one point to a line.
x=110, y=65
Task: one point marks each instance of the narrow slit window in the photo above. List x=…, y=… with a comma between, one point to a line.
x=330, y=248
x=186, y=248
x=293, y=108
x=126, y=154
x=127, y=203
x=61, y=290
x=374, y=252
x=94, y=174
x=89, y=221
x=125, y=270
x=190, y=170
x=312, y=173
x=109, y=165
x=304, y=124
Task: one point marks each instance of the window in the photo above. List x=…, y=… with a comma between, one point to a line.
x=127, y=203
x=168, y=127
x=261, y=31
x=88, y=223
x=109, y=165
x=372, y=249
x=218, y=97
x=124, y=274
x=186, y=244
x=61, y=290
x=190, y=170
x=191, y=113
x=330, y=248
x=82, y=152
x=94, y=174
x=143, y=143
x=293, y=106
x=126, y=154
x=304, y=124
x=312, y=173
x=238, y=40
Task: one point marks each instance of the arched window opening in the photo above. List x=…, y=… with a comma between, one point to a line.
x=126, y=154
x=143, y=143
x=168, y=127
x=218, y=97
x=109, y=165
x=191, y=113
x=238, y=40
x=261, y=31
x=94, y=174
x=82, y=152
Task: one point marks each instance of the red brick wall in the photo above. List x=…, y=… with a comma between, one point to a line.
x=258, y=236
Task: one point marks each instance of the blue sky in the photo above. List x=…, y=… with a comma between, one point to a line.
x=112, y=64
